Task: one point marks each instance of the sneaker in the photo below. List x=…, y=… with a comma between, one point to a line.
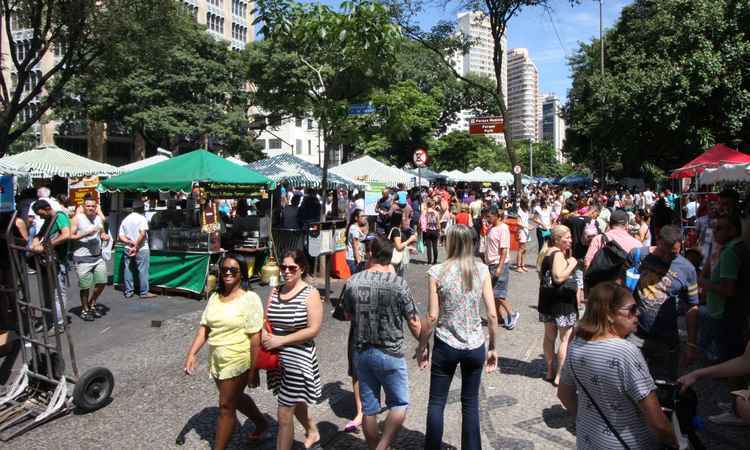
x=727, y=418
x=513, y=321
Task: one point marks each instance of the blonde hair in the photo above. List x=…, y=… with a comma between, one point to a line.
x=558, y=232
x=460, y=244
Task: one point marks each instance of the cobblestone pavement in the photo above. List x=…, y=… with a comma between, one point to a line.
x=155, y=406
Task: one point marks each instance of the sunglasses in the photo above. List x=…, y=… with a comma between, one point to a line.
x=632, y=309
x=230, y=271
x=289, y=268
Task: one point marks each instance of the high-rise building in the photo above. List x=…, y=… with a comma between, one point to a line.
x=479, y=59
x=553, y=125
x=230, y=20
x=524, y=100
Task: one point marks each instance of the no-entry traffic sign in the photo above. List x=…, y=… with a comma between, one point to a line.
x=420, y=157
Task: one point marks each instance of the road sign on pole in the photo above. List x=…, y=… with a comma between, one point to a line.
x=516, y=169
x=361, y=109
x=420, y=157
x=486, y=125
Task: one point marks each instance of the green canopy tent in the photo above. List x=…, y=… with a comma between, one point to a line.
x=179, y=269
x=182, y=173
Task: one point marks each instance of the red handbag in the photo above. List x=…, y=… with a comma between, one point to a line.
x=267, y=359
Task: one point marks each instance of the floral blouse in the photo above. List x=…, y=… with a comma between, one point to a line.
x=459, y=322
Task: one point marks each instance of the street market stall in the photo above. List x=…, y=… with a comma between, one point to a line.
x=160, y=156
x=368, y=170
x=736, y=173
x=184, y=241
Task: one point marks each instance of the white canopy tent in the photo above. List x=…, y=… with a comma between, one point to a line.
x=47, y=161
x=161, y=155
x=479, y=175
x=368, y=169
x=726, y=172
x=504, y=178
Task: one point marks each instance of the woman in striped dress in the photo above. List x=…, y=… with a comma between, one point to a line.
x=295, y=313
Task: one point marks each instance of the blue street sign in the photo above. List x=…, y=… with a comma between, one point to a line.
x=360, y=109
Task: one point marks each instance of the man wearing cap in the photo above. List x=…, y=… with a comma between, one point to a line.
x=618, y=232
x=134, y=234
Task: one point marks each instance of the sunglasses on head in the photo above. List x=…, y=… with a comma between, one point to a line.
x=289, y=268
x=230, y=270
x=632, y=309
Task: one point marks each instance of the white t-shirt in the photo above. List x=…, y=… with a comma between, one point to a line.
x=359, y=204
x=544, y=216
x=648, y=196
x=690, y=209
x=133, y=224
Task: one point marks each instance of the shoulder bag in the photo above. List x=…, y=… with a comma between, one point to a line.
x=267, y=359
x=599, y=410
x=398, y=255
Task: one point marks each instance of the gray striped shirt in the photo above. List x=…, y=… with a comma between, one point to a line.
x=617, y=377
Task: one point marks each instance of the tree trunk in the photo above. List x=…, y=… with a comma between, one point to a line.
x=96, y=140
x=139, y=147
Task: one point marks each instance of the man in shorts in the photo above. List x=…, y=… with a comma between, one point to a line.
x=87, y=235
x=497, y=258
x=379, y=303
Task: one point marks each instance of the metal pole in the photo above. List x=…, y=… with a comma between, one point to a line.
x=531, y=159
x=601, y=36
x=419, y=177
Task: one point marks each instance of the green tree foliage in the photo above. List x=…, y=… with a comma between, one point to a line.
x=459, y=150
x=543, y=158
x=676, y=82
x=328, y=58
x=72, y=30
x=176, y=85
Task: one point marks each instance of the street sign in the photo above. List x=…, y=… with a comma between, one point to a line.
x=486, y=125
x=420, y=157
x=516, y=169
x=361, y=109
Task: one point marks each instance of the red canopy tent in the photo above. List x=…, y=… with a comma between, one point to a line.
x=713, y=157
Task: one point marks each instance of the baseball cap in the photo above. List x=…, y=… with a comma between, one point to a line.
x=619, y=217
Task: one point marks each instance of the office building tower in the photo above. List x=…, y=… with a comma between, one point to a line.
x=553, y=125
x=524, y=100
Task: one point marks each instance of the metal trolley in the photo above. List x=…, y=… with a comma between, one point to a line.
x=41, y=392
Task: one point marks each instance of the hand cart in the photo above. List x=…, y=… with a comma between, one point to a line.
x=41, y=392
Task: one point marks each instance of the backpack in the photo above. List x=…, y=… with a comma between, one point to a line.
x=607, y=265
x=633, y=274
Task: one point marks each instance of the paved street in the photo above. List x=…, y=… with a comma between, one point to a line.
x=155, y=406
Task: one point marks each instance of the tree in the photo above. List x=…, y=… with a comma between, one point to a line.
x=175, y=86
x=543, y=158
x=459, y=150
x=332, y=59
x=68, y=29
x=444, y=40
x=676, y=82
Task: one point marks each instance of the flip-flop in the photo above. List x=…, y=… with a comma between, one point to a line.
x=352, y=426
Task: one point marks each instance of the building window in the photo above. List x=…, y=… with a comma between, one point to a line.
x=299, y=146
x=298, y=122
x=309, y=124
x=274, y=144
x=309, y=147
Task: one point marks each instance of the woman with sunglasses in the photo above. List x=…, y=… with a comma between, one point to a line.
x=230, y=324
x=295, y=313
x=607, y=376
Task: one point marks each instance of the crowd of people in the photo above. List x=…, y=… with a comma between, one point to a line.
x=621, y=273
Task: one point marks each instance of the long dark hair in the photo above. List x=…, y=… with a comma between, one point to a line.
x=353, y=218
x=299, y=257
x=220, y=287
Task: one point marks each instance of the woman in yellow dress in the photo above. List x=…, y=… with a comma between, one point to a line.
x=231, y=324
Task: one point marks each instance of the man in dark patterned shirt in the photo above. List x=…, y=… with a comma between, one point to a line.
x=378, y=301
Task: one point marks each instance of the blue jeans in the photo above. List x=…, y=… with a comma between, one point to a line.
x=141, y=263
x=376, y=370
x=444, y=361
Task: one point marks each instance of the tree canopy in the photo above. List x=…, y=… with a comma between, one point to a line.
x=676, y=82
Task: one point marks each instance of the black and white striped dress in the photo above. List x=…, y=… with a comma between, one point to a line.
x=298, y=378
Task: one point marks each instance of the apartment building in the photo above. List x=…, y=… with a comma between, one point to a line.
x=553, y=125
x=524, y=99
x=301, y=137
x=479, y=59
x=230, y=20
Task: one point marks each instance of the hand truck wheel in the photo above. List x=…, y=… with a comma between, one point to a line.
x=93, y=389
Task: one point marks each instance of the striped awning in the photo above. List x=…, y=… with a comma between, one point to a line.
x=289, y=169
x=47, y=161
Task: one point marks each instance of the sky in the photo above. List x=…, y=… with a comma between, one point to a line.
x=533, y=28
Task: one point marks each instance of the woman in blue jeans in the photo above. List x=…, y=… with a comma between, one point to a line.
x=457, y=289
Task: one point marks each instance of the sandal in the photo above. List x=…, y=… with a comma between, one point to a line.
x=87, y=316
